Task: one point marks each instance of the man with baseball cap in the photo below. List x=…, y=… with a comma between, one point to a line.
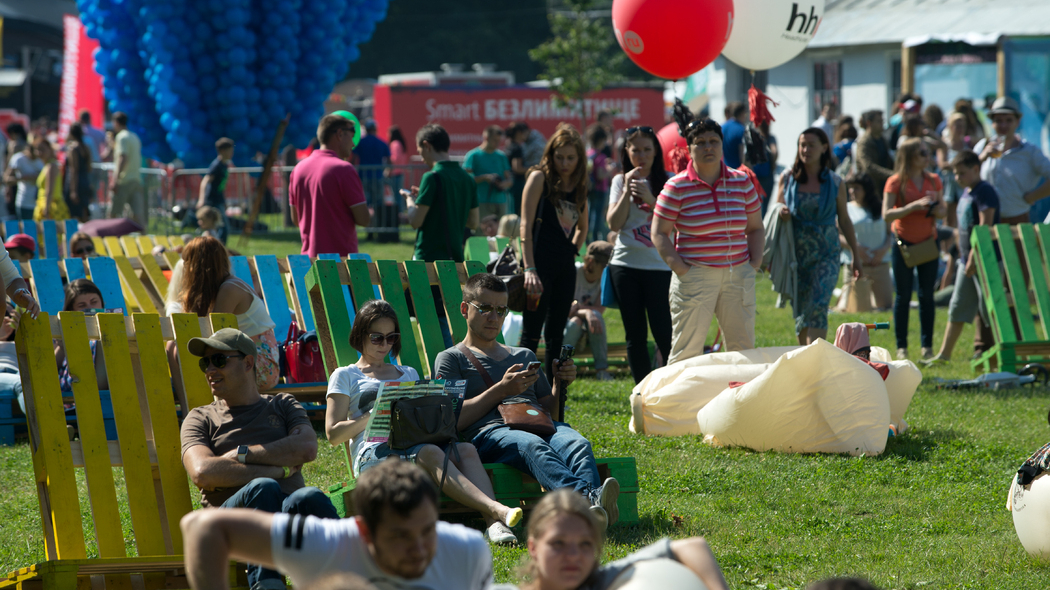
x=21, y=247
x=245, y=449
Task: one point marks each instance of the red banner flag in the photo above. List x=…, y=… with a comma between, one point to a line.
x=81, y=86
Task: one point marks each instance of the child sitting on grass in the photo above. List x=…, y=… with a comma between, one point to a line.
x=585, y=316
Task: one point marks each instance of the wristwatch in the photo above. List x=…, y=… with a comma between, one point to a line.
x=242, y=453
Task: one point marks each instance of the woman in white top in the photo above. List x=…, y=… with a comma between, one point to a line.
x=23, y=168
x=640, y=278
x=873, y=239
x=208, y=286
x=352, y=391
x=565, y=543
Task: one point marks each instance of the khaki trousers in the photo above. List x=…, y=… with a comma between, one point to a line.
x=705, y=292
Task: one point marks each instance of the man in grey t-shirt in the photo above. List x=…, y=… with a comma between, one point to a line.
x=560, y=460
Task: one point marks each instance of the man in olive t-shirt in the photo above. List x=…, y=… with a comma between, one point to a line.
x=246, y=450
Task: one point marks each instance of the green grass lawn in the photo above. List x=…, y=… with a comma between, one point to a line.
x=927, y=513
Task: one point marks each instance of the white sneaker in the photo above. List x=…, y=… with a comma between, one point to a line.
x=603, y=518
x=606, y=497
x=499, y=534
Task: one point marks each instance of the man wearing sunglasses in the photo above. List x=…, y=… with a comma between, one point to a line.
x=246, y=450
x=500, y=375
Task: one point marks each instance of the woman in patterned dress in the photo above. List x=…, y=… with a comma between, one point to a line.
x=816, y=198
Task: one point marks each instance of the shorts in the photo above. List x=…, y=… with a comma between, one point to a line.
x=966, y=297
x=372, y=455
x=267, y=361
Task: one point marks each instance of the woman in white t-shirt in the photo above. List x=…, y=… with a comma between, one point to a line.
x=352, y=392
x=640, y=278
x=873, y=239
x=23, y=169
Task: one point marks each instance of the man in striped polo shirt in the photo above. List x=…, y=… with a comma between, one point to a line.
x=716, y=213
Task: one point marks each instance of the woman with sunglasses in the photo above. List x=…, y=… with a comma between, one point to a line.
x=81, y=246
x=553, y=229
x=912, y=203
x=815, y=199
x=352, y=391
x=640, y=277
x=208, y=287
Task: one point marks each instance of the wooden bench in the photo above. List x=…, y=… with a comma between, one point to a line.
x=153, y=488
x=325, y=283
x=1013, y=299
x=44, y=233
x=516, y=489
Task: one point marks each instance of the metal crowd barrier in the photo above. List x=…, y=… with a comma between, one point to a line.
x=167, y=188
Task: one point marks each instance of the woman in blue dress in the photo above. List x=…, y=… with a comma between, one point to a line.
x=815, y=198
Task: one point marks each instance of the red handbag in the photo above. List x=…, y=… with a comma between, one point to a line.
x=302, y=353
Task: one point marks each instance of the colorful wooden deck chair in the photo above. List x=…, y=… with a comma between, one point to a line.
x=512, y=487
x=1010, y=289
x=153, y=490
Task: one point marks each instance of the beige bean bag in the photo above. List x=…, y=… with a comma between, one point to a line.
x=667, y=400
x=812, y=399
x=817, y=399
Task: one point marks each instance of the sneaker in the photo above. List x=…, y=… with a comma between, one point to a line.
x=499, y=534
x=513, y=517
x=927, y=353
x=935, y=360
x=603, y=518
x=603, y=375
x=606, y=497
x=902, y=354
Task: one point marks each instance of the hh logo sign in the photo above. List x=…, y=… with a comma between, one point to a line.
x=807, y=24
x=633, y=42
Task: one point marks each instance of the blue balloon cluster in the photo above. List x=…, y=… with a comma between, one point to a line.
x=190, y=71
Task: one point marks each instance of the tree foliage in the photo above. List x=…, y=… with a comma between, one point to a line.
x=582, y=56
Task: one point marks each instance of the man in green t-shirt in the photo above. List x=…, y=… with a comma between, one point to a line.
x=491, y=171
x=441, y=208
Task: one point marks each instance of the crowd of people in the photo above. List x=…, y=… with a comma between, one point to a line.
x=672, y=249
x=45, y=181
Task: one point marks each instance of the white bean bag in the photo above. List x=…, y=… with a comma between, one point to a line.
x=817, y=399
x=1030, y=507
x=667, y=400
x=657, y=573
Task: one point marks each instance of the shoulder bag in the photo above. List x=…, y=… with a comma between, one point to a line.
x=526, y=416
x=430, y=419
x=508, y=268
x=922, y=252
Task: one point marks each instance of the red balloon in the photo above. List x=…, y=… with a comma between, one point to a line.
x=670, y=138
x=672, y=38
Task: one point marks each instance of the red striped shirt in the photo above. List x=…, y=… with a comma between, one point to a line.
x=710, y=221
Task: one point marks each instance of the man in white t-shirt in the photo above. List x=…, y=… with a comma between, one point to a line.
x=395, y=542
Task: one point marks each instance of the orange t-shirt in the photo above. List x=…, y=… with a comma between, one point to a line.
x=914, y=227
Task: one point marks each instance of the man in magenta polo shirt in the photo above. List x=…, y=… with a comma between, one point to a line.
x=325, y=192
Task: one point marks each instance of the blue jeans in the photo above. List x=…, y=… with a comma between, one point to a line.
x=597, y=202
x=561, y=460
x=10, y=381
x=904, y=278
x=265, y=494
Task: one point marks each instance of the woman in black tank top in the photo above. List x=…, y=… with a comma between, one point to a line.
x=553, y=229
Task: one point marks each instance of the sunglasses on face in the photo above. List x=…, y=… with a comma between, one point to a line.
x=218, y=359
x=632, y=130
x=391, y=338
x=924, y=154
x=84, y=250
x=485, y=308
